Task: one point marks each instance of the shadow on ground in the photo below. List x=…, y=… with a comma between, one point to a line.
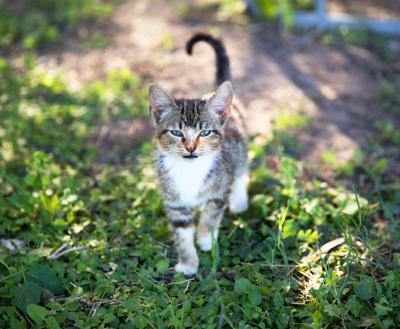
x=272, y=72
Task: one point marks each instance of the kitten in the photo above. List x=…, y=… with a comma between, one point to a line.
x=201, y=158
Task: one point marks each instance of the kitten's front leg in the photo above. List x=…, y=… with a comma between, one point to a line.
x=182, y=222
x=209, y=222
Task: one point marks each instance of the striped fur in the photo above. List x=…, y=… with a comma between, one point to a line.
x=201, y=160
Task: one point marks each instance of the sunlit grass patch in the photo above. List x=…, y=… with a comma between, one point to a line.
x=291, y=119
x=97, y=251
x=33, y=24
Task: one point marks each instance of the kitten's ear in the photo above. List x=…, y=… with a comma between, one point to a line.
x=220, y=103
x=160, y=102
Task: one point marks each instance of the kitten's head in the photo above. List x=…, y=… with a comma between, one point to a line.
x=190, y=128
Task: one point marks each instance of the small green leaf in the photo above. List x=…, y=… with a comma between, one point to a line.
x=382, y=310
x=27, y=294
x=45, y=277
x=51, y=323
x=290, y=229
x=37, y=313
x=354, y=306
x=392, y=280
x=278, y=300
x=255, y=296
x=132, y=304
x=242, y=285
x=22, y=200
x=162, y=265
x=15, y=324
x=109, y=317
x=364, y=289
x=54, y=204
x=380, y=166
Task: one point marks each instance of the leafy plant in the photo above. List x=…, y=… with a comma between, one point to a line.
x=40, y=22
x=283, y=8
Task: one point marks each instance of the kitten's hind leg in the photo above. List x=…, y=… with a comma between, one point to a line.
x=238, y=198
x=209, y=222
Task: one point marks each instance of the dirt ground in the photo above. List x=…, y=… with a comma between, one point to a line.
x=272, y=71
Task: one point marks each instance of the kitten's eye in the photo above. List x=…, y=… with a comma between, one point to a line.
x=176, y=133
x=205, y=133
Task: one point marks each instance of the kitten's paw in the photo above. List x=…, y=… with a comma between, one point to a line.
x=205, y=242
x=186, y=269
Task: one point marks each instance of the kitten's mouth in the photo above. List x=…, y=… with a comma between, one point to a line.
x=191, y=156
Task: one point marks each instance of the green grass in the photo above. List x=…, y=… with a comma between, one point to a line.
x=283, y=9
x=37, y=23
x=99, y=254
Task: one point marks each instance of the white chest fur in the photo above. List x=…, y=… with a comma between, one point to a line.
x=188, y=176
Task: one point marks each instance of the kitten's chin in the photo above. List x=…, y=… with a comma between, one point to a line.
x=198, y=155
x=191, y=156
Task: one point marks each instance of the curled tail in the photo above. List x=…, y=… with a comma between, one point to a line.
x=223, y=70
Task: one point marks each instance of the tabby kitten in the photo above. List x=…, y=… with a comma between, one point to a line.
x=201, y=159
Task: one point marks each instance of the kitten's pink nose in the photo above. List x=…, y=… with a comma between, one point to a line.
x=190, y=146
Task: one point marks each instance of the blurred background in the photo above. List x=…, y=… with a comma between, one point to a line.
x=344, y=80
